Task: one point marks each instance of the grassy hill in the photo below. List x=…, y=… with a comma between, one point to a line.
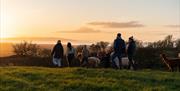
x=83, y=79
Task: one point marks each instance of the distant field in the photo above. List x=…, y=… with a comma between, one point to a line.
x=82, y=79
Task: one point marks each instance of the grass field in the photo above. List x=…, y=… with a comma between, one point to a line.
x=83, y=79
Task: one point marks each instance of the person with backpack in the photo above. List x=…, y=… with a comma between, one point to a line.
x=119, y=49
x=57, y=54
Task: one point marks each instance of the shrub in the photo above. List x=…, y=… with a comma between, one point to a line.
x=149, y=56
x=44, y=53
x=79, y=48
x=26, y=49
x=95, y=48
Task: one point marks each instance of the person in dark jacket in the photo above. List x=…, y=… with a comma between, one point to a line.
x=131, y=51
x=57, y=53
x=119, y=50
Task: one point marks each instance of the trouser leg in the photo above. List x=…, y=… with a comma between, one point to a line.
x=69, y=60
x=130, y=57
x=59, y=62
x=54, y=61
x=114, y=65
x=84, y=61
x=130, y=61
x=120, y=61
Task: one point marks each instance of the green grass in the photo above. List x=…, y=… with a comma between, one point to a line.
x=82, y=79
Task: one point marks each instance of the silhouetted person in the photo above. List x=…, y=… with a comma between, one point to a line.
x=119, y=50
x=85, y=55
x=70, y=54
x=57, y=53
x=131, y=51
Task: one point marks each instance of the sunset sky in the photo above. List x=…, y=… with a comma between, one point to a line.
x=90, y=20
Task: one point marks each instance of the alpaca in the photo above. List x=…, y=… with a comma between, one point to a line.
x=124, y=60
x=171, y=62
x=93, y=62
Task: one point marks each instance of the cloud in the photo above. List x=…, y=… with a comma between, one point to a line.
x=82, y=30
x=173, y=26
x=130, y=24
x=36, y=39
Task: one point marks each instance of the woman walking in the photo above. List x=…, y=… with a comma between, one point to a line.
x=131, y=51
x=70, y=54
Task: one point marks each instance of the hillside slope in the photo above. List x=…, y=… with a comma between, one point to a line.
x=83, y=79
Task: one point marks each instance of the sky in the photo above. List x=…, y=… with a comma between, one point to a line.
x=90, y=20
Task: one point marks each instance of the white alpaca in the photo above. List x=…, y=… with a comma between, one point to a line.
x=94, y=60
x=125, y=61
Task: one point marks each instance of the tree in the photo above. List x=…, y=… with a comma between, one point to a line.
x=102, y=44
x=166, y=43
x=139, y=44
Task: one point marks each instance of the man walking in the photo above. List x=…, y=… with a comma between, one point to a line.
x=119, y=50
x=57, y=53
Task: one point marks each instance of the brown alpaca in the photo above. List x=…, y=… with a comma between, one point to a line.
x=171, y=62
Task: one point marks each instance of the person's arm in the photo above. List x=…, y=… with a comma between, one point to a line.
x=124, y=44
x=52, y=53
x=62, y=51
x=134, y=47
x=115, y=44
x=123, y=47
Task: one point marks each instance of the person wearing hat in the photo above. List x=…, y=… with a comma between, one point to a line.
x=57, y=54
x=131, y=51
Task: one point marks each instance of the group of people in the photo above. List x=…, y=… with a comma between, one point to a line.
x=119, y=50
x=58, y=54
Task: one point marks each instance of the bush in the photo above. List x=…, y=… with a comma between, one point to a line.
x=44, y=53
x=79, y=48
x=149, y=56
x=95, y=48
x=26, y=49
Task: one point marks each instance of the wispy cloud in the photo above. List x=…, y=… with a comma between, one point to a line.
x=81, y=30
x=130, y=24
x=173, y=26
x=37, y=39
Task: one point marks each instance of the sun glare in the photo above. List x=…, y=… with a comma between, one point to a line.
x=3, y=35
